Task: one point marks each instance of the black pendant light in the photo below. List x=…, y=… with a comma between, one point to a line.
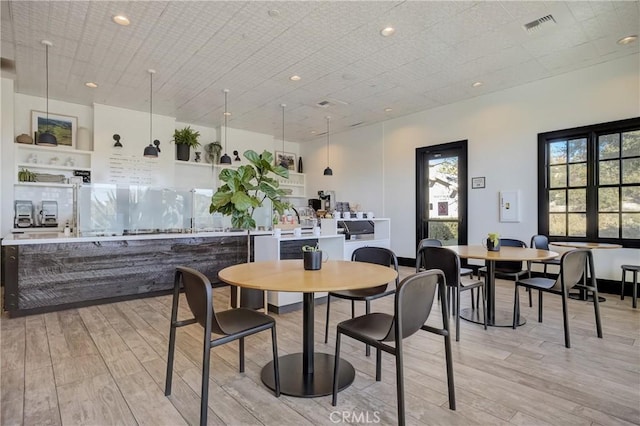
x=283, y=161
x=225, y=159
x=46, y=138
x=328, y=171
x=151, y=151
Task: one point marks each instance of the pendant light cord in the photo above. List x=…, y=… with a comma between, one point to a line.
x=327, y=141
x=47, y=69
x=225, y=119
x=151, y=107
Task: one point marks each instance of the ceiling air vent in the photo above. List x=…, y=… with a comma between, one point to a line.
x=356, y=124
x=539, y=23
x=324, y=104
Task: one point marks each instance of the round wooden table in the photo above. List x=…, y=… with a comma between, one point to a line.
x=581, y=295
x=496, y=318
x=307, y=374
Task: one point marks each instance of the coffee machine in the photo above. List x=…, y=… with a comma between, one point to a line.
x=329, y=198
x=49, y=214
x=23, y=214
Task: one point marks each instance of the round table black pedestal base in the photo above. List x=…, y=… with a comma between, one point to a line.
x=294, y=383
x=589, y=298
x=501, y=318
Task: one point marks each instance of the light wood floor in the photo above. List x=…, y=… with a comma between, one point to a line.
x=105, y=365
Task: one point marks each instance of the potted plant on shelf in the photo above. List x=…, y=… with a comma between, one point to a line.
x=185, y=139
x=244, y=190
x=212, y=152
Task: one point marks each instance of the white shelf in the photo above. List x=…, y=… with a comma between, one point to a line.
x=45, y=184
x=53, y=150
x=50, y=167
x=193, y=163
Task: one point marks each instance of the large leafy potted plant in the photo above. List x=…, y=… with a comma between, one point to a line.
x=185, y=139
x=245, y=189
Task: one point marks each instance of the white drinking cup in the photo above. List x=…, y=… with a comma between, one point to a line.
x=297, y=232
x=277, y=232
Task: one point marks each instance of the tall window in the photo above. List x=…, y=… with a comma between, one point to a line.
x=589, y=183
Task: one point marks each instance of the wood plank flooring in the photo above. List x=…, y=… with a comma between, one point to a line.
x=105, y=365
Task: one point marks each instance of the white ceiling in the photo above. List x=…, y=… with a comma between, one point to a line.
x=199, y=48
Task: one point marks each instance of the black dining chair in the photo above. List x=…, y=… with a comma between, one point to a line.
x=508, y=269
x=448, y=262
x=379, y=256
x=413, y=302
x=541, y=242
x=433, y=242
x=232, y=324
x=573, y=265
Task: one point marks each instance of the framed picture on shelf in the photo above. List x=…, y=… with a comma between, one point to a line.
x=63, y=127
x=288, y=157
x=477, y=182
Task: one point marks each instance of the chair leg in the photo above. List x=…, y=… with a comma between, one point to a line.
x=353, y=309
x=530, y=301
x=378, y=365
x=276, y=366
x=449, y=362
x=565, y=320
x=622, y=285
x=241, y=354
x=516, y=307
x=484, y=307
x=204, y=392
x=326, y=323
x=473, y=303
x=400, y=383
x=596, y=310
x=635, y=289
x=367, y=308
x=457, y=311
x=336, y=366
x=172, y=336
x=539, y=306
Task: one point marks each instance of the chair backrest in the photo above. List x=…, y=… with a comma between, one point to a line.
x=540, y=242
x=507, y=265
x=573, y=264
x=413, y=302
x=443, y=259
x=426, y=242
x=379, y=256
x=197, y=289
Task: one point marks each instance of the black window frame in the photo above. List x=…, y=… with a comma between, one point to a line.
x=591, y=132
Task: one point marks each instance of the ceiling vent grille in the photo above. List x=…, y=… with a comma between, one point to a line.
x=356, y=124
x=538, y=24
x=324, y=104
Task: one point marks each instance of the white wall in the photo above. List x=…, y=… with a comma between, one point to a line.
x=502, y=130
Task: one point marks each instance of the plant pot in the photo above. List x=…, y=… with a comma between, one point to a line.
x=182, y=152
x=312, y=260
x=491, y=247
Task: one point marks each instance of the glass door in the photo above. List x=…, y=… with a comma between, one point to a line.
x=442, y=193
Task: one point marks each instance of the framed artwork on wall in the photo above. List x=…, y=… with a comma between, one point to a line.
x=288, y=157
x=63, y=127
x=477, y=182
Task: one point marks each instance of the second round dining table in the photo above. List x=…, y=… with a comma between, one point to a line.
x=496, y=317
x=309, y=373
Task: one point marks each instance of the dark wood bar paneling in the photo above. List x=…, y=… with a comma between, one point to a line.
x=52, y=275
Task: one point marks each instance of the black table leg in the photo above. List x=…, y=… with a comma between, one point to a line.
x=308, y=374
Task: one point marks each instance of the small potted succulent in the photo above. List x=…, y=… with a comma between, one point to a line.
x=493, y=241
x=185, y=139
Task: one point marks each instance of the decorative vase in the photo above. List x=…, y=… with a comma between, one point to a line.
x=312, y=260
x=491, y=246
x=197, y=159
x=182, y=151
x=300, y=165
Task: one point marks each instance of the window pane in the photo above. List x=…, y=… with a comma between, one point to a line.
x=631, y=144
x=608, y=225
x=631, y=170
x=577, y=150
x=557, y=225
x=577, y=225
x=609, y=172
x=558, y=201
x=558, y=152
x=608, y=199
x=609, y=146
x=631, y=199
x=631, y=225
x=577, y=200
x=578, y=174
x=558, y=176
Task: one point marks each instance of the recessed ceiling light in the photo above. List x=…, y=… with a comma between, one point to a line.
x=627, y=39
x=274, y=13
x=387, y=31
x=313, y=132
x=477, y=84
x=91, y=84
x=295, y=78
x=227, y=113
x=121, y=20
x=388, y=109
